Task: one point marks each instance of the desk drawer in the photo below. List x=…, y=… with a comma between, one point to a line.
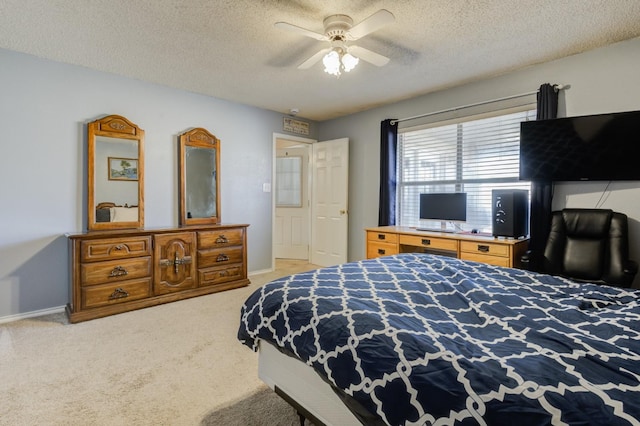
x=382, y=237
x=429, y=242
x=491, y=260
x=377, y=249
x=483, y=248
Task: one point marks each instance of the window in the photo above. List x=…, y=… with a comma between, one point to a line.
x=471, y=155
x=289, y=182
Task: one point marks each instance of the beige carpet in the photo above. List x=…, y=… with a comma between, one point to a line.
x=173, y=364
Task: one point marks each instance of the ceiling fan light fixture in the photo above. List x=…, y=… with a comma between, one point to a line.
x=337, y=61
x=331, y=63
x=349, y=62
x=339, y=30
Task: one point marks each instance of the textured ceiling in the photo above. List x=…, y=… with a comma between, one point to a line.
x=231, y=49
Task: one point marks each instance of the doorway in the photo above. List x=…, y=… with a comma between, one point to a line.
x=291, y=194
x=310, y=200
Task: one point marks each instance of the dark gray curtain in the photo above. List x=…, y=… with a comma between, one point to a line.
x=547, y=102
x=388, y=147
x=542, y=191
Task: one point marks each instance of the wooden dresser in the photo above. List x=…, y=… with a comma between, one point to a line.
x=388, y=240
x=119, y=271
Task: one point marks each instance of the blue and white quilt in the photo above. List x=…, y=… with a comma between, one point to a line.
x=421, y=339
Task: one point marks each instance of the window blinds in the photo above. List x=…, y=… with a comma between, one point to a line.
x=472, y=156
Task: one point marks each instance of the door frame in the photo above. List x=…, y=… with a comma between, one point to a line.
x=274, y=149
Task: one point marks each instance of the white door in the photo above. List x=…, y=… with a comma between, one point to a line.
x=291, y=230
x=329, y=201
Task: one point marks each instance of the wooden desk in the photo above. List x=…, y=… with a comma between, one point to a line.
x=388, y=240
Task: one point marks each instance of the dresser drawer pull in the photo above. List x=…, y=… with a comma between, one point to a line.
x=483, y=248
x=222, y=258
x=119, y=247
x=118, y=271
x=381, y=251
x=175, y=262
x=118, y=293
x=222, y=240
x=223, y=273
x=382, y=237
x=426, y=242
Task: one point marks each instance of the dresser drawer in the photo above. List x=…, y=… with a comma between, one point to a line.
x=484, y=258
x=382, y=237
x=115, y=270
x=483, y=248
x=429, y=242
x=110, y=294
x=221, y=238
x=219, y=257
x=115, y=248
x=377, y=249
x=213, y=276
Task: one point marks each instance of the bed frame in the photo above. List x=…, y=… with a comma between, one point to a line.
x=299, y=385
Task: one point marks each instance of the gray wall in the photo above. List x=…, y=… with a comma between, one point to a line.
x=44, y=108
x=602, y=80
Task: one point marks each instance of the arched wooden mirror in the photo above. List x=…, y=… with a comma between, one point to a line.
x=116, y=174
x=199, y=178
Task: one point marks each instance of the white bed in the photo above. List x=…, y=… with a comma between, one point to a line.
x=417, y=339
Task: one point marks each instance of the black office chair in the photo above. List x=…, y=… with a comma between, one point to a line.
x=588, y=245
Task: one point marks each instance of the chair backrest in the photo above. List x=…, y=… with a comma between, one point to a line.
x=588, y=244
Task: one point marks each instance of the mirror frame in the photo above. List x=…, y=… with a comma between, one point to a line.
x=197, y=138
x=114, y=126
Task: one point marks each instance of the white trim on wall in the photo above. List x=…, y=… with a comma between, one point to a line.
x=32, y=314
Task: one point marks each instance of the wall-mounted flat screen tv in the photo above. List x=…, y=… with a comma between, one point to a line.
x=447, y=206
x=590, y=147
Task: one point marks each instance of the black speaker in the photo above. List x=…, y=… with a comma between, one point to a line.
x=510, y=212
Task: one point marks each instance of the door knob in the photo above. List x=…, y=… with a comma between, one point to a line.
x=343, y=212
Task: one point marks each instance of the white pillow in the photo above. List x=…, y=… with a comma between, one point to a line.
x=124, y=214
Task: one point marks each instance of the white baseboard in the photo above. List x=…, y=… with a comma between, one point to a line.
x=25, y=315
x=262, y=271
x=58, y=309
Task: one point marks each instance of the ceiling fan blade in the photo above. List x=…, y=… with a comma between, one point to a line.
x=299, y=30
x=312, y=60
x=369, y=56
x=371, y=24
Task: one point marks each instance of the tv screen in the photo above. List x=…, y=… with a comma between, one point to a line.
x=592, y=147
x=444, y=206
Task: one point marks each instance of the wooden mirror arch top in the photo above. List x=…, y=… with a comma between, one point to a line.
x=199, y=169
x=115, y=174
x=118, y=125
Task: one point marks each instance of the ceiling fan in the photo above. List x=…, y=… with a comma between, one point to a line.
x=338, y=30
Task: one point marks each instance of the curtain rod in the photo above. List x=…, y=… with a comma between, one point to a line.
x=557, y=87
